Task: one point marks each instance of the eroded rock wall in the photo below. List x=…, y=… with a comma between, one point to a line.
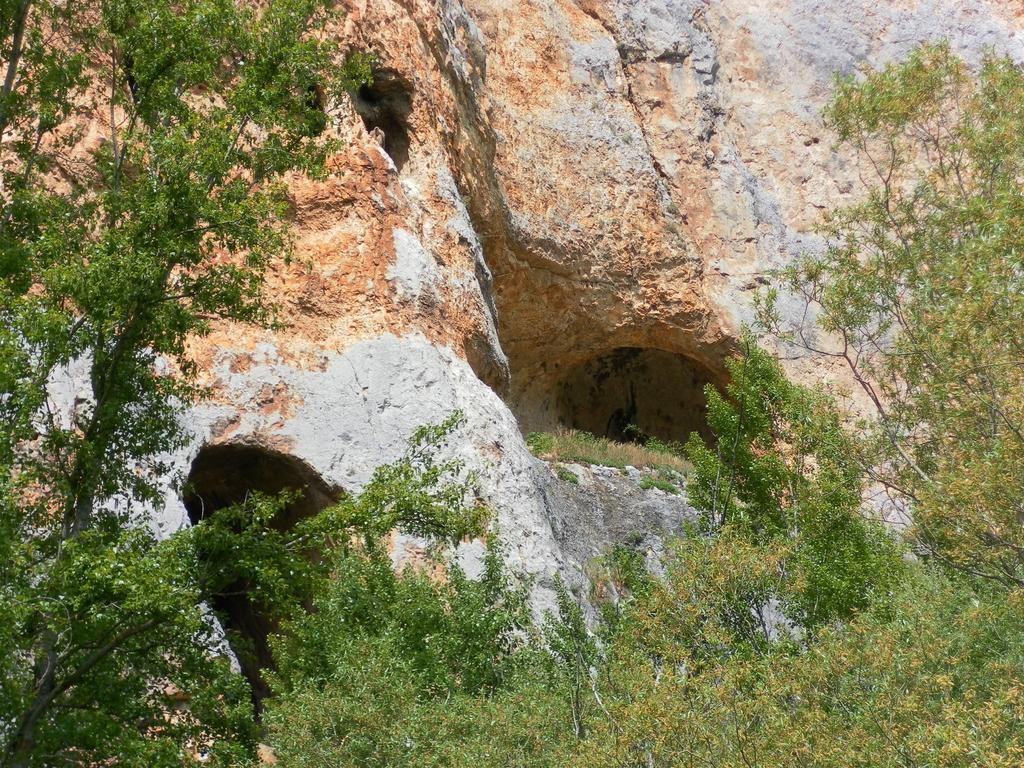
x=570, y=178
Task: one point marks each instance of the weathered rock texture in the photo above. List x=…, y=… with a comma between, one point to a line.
x=607, y=507
x=566, y=178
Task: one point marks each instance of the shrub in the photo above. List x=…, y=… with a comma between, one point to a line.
x=566, y=474
x=921, y=295
x=783, y=471
x=662, y=480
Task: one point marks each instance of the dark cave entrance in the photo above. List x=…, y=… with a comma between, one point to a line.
x=629, y=389
x=223, y=475
x=385, y=105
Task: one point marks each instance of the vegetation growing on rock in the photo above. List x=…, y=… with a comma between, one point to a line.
x=921, y=295
x=789, y=628
x=575, y=447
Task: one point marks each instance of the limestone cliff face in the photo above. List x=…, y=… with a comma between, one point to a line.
x=535, y=196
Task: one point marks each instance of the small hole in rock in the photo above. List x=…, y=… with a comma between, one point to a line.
x=385, y=105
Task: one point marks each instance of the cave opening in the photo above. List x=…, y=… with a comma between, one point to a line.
x=385, y=105
x=222, y=476
x=632, y=390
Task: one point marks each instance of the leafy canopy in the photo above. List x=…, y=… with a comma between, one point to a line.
x=144, y=146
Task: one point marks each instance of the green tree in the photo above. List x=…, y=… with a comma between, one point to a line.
x=921, y=294
x=782, y=474
x=781, y=551
x=574, y=654
x=112, y=255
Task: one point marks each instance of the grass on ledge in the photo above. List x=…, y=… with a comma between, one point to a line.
x=573, y=447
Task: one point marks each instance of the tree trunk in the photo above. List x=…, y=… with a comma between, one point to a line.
x=23, y=741
x=17, y=40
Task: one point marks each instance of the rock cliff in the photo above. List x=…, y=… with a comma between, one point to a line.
x=547, y=211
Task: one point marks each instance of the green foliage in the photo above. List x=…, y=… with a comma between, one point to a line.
x=921, y=296
x=452, y=634
x=112, y=255
x=384, y=649
x=357, y=70
x=125, y=614
x=241, y=544
x=782, y=473
x=929, y=678
x=566, y=474
x=376, y=718
x=417, y=495
x=617, y=577
x=575, y=654
x=663, y=480
x=541, y=443
x=628, y=568
x=945, y=658
x=714, y=602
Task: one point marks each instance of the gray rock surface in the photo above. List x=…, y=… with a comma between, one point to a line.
x=607, y=506
x=359, y=411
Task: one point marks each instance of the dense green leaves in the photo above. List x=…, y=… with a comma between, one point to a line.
x=130, y=642
x=383, y=649
x=929, y=677
x=115, y=249
x=139, y=668
x=782, y=474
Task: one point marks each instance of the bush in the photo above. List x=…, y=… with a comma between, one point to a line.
x=396, y=668
x=921, y=295
x=927, y=678
x=784, y=473
x=663, y=480
x=566, y=474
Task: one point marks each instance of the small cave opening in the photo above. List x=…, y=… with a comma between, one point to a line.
x=385, y=105
x=222, y=476
x=633, y=390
